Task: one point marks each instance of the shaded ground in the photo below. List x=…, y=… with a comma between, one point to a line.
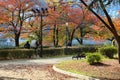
x=107, y=70
x=31, y=72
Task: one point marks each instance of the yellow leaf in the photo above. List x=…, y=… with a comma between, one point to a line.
x=52, y=0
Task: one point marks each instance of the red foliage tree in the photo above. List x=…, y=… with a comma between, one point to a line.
x=63, y=13
x=14, y=14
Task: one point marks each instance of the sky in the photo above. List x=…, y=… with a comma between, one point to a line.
x=113, y=10
x=40, y=4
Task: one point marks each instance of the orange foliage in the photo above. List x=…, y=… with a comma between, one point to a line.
x=24, y=35
x=117, y=24
x=61, y=13
x=1, y=29
x=95, y=27
x=12, y=12
x=65, y=13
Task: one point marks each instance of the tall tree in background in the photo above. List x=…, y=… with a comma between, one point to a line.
x=15, y=11
x=83, y=22
x=77, y=18
x=102, y=5
x=62, y=12
x=56, y=10
x=53, y=19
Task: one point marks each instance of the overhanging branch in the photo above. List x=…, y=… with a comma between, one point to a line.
x=98, y=16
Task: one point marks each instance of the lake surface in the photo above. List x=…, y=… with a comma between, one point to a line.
x=91, y=42
x=9, y=42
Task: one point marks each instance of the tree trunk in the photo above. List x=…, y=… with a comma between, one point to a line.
x=81, y=35
x=78, y=40
x=54, y=34
x=57, y=37
x=117, y=38
x=71, y=37
x=81, y=41
x=54, y=31
x=40, y=37
x=118, y=42
x=17, y=40
x=119, y=52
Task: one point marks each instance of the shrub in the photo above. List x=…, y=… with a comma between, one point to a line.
x=48, y=52
x=78, y=50
x=3, y=54
x=109, y=51
x=93, y=58
x=16, y=53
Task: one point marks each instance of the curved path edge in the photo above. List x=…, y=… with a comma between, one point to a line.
x=81, y=77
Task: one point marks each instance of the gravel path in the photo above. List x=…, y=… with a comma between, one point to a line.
x=35, y=69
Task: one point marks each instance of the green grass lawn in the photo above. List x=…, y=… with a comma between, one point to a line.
x=107, y=69
x=72, y=66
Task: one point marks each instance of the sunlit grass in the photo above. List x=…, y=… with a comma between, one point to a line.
x=72, y=66
x=84, y=68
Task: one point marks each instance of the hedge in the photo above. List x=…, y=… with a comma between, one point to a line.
x=16, y=53
x=47, y=52
x=108, y=51
x=81, y=50
x=53, y=52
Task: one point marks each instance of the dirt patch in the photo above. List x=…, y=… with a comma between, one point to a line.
x=107, y=70
x=31, y=72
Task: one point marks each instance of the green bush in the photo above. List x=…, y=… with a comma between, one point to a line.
x=79, y=50
x=3, y=54
x=48, y=52
x=21, y=53
x=16, y=53
x=93, y=58
x=109, y=51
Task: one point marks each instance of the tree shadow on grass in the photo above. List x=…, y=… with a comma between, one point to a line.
x=100, y=64
x=11, y=78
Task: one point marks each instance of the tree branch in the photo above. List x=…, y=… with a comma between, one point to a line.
x=98, y=16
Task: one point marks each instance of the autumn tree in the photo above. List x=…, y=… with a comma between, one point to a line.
x=55, y=11
x=16, y=14
x=78, y=18
x=33, y=25
x=63, y=12
x=102, y=33
x=82, y=23
x=102, y=6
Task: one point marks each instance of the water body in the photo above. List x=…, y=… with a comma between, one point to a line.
x=9, y=42
x=91, y=42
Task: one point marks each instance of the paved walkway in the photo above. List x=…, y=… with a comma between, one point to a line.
x=35, y=61
x=32, y=69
